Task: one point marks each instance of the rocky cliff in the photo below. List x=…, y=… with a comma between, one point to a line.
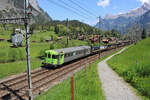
x=14, y=8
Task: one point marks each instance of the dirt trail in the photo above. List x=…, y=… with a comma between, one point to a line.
x=114, y=87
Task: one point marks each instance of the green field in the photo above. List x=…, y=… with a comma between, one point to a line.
x=13, y=60
x=134, y=66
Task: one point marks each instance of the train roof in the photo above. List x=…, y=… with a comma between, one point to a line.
x=72, y=49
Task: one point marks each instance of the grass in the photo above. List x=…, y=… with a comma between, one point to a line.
x=134, y=66
x=86, y=88
x=12, y=68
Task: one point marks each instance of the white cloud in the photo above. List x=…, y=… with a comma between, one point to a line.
x=103, y=3
x=121, y=13
x=144, y=1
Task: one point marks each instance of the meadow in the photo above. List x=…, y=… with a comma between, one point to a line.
x=134, y=66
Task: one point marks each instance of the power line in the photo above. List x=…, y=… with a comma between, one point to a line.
x=66, y=8
x=87, y=6
x=74, y=7
x=73, y=2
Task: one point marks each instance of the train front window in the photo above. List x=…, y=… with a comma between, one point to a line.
x=49, y=56
x=54, y=56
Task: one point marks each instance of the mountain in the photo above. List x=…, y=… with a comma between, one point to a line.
x=124, y=20
x=145, y=18
x=14, y=8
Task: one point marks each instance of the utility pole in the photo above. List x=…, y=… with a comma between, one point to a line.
x=99, y=34
x=25, y=20
x=26, y=5
x=67, y=25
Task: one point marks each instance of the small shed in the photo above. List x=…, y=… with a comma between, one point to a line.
x=17, y=37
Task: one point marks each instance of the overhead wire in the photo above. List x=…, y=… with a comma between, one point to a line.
x=67, y=8
x=84, y=9
x=76, y=8
x=93, y=11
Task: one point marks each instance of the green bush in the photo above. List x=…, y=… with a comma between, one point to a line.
x=143, y=70
x=22, y=54
x=143, y=86
x=3, y=57
x=13, y=55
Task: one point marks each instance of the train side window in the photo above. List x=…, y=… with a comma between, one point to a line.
x=49, y=56
x=82, y=51
x=74, y=53
x=55, y=56
x=65, y=55
x=79, y=52
x=68, y=54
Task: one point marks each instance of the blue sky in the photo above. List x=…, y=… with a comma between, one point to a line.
x=95, y=7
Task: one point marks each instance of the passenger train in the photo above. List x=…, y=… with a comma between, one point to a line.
x=55, y=58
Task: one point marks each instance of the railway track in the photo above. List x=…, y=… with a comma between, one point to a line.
x=16, y=88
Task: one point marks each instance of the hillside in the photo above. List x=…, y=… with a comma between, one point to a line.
x=134, y=66
x=14, y=8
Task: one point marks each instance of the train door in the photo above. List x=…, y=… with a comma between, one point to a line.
x=49, y=58
x=61, y=58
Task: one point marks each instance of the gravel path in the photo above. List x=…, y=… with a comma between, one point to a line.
x=115, y=88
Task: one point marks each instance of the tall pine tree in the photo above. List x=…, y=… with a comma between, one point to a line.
x=56, y=30
x=143, y=34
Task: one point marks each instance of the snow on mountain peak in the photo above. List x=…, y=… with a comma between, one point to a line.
x=133, y=13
